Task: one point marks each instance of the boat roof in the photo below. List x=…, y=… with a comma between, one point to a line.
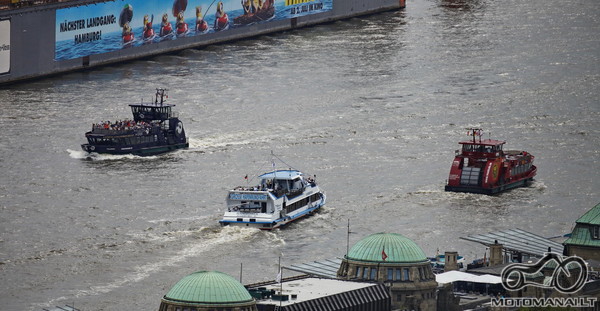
x=152, y=105
x=483, y=142
x=282, y=174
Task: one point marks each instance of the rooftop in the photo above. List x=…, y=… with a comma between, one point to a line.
x=312, y=288
x=325, y=268
x=208, y=287
x=592, y=216
x=387, y=247
x=582, y=234
x=519, y=241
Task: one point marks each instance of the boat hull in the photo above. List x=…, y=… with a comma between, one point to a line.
x=470, y=189
x=270, y=225
x=138, y=151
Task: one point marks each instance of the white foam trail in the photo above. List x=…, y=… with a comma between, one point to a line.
x=102, y=157
x=77, y=154
x=195, y=218
x=214, y=238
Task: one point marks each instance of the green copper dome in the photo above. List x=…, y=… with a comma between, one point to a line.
x=209, y=287
x=396, y=247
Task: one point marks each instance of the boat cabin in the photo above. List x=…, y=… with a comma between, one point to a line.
x=158, y=110
x=486, y=148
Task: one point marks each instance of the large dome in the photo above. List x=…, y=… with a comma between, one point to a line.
x=209, y=287
x=397, y=248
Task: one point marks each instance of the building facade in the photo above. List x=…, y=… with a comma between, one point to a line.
x=397, y=262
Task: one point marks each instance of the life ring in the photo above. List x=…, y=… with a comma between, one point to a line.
x=92, y=148
x=179, y=128
x=141, y=115
x=235, y=208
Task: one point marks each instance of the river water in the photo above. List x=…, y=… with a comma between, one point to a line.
x=373, y=106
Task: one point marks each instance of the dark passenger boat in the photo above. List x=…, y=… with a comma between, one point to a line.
x=483, y=167
x=155, y=129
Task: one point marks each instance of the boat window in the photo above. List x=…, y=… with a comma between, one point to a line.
x=297, y=184
x=398, y=274
x=390, y=274
x=357, y=272
x=365, y=273
x=596, y=232
x=406, y=275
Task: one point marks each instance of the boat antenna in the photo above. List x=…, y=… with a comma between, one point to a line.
x=475, y=132
x=241, y=268
x=278, y=158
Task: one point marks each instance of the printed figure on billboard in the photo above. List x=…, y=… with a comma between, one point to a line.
x=166, y=30
x=221, y=18
x=110, y=26
x=124, y=19
x=181, y=26
x=255, y=11
x=201, y=24
x=149, y=34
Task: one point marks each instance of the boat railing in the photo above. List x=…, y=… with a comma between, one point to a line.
x=132, y=131
x=251, y=188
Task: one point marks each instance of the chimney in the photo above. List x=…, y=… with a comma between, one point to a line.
x=496, y=257
x=451, y=259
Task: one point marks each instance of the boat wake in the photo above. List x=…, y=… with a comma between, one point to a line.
x=211, y=238
x=75, y=154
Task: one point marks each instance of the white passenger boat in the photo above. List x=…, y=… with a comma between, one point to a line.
x=281, y=197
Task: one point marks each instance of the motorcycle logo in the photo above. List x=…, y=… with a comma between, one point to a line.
x=569, y=274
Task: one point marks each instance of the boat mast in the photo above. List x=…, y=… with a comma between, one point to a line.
x=475, y=132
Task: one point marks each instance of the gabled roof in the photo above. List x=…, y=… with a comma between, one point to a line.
x=582, y=234
x=592, y=216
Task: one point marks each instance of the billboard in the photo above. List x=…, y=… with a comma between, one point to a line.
x=111, y=26
x=4, y=46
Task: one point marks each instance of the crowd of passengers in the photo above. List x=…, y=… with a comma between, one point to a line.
x=269, y=186
x=123, y=125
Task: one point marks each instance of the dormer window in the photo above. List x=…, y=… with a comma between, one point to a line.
x=595, y=232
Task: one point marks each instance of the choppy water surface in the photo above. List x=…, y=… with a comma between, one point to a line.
x=373, y=106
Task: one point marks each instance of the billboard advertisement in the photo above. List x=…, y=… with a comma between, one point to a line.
x=111, y=26
x=4, y=46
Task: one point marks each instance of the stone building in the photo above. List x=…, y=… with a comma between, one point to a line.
x=397, y=262
x=208, y=291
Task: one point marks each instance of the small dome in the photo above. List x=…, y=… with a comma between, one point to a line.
x=209, y=287
x=397, y=248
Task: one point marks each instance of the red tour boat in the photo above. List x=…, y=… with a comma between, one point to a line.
x=483, y=167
